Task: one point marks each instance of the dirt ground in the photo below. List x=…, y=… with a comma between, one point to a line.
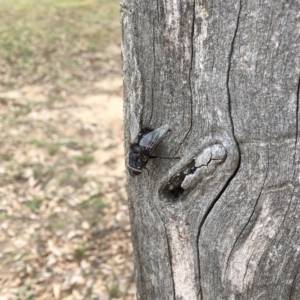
x=64, y=218
x=63, y=207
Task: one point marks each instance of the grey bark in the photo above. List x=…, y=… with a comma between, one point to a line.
x=223, y=221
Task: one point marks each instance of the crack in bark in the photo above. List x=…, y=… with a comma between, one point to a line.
x=249, y=219
x=293, y=284
x=229, y=69
x=238, y=148
x=296, y=142
x=153, y=77
x=206, y=215
x=169, y=248
x=294, y=163
x=143, y=101
x=190, y=83
x=170, y=260
x=297, y=116
x=297, y=121
x=191, y=67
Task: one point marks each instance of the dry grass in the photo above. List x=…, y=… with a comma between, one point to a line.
x=60, y=42
x=63, y=209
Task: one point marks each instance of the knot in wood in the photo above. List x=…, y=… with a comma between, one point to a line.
x=205, y=164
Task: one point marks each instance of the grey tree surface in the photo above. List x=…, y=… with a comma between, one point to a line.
x=223, y=221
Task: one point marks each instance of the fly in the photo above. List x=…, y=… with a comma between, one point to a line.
x=142, y=145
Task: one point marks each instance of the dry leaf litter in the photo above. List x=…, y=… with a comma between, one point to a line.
x=63, y=209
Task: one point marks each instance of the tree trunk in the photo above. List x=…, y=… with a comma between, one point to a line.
x=223, y=221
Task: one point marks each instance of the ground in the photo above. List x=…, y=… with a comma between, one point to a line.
x=63, y=209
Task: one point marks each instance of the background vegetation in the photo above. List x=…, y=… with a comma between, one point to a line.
x=57, y=41
x=63, y=209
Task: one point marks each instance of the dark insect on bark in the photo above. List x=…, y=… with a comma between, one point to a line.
x=142, y=146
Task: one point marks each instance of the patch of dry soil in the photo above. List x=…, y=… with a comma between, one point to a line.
x=63, y=208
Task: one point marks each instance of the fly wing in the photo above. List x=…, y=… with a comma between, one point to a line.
x=134, y=128
x=149, y=142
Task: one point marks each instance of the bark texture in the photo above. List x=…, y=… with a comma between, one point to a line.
x=223, y=222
